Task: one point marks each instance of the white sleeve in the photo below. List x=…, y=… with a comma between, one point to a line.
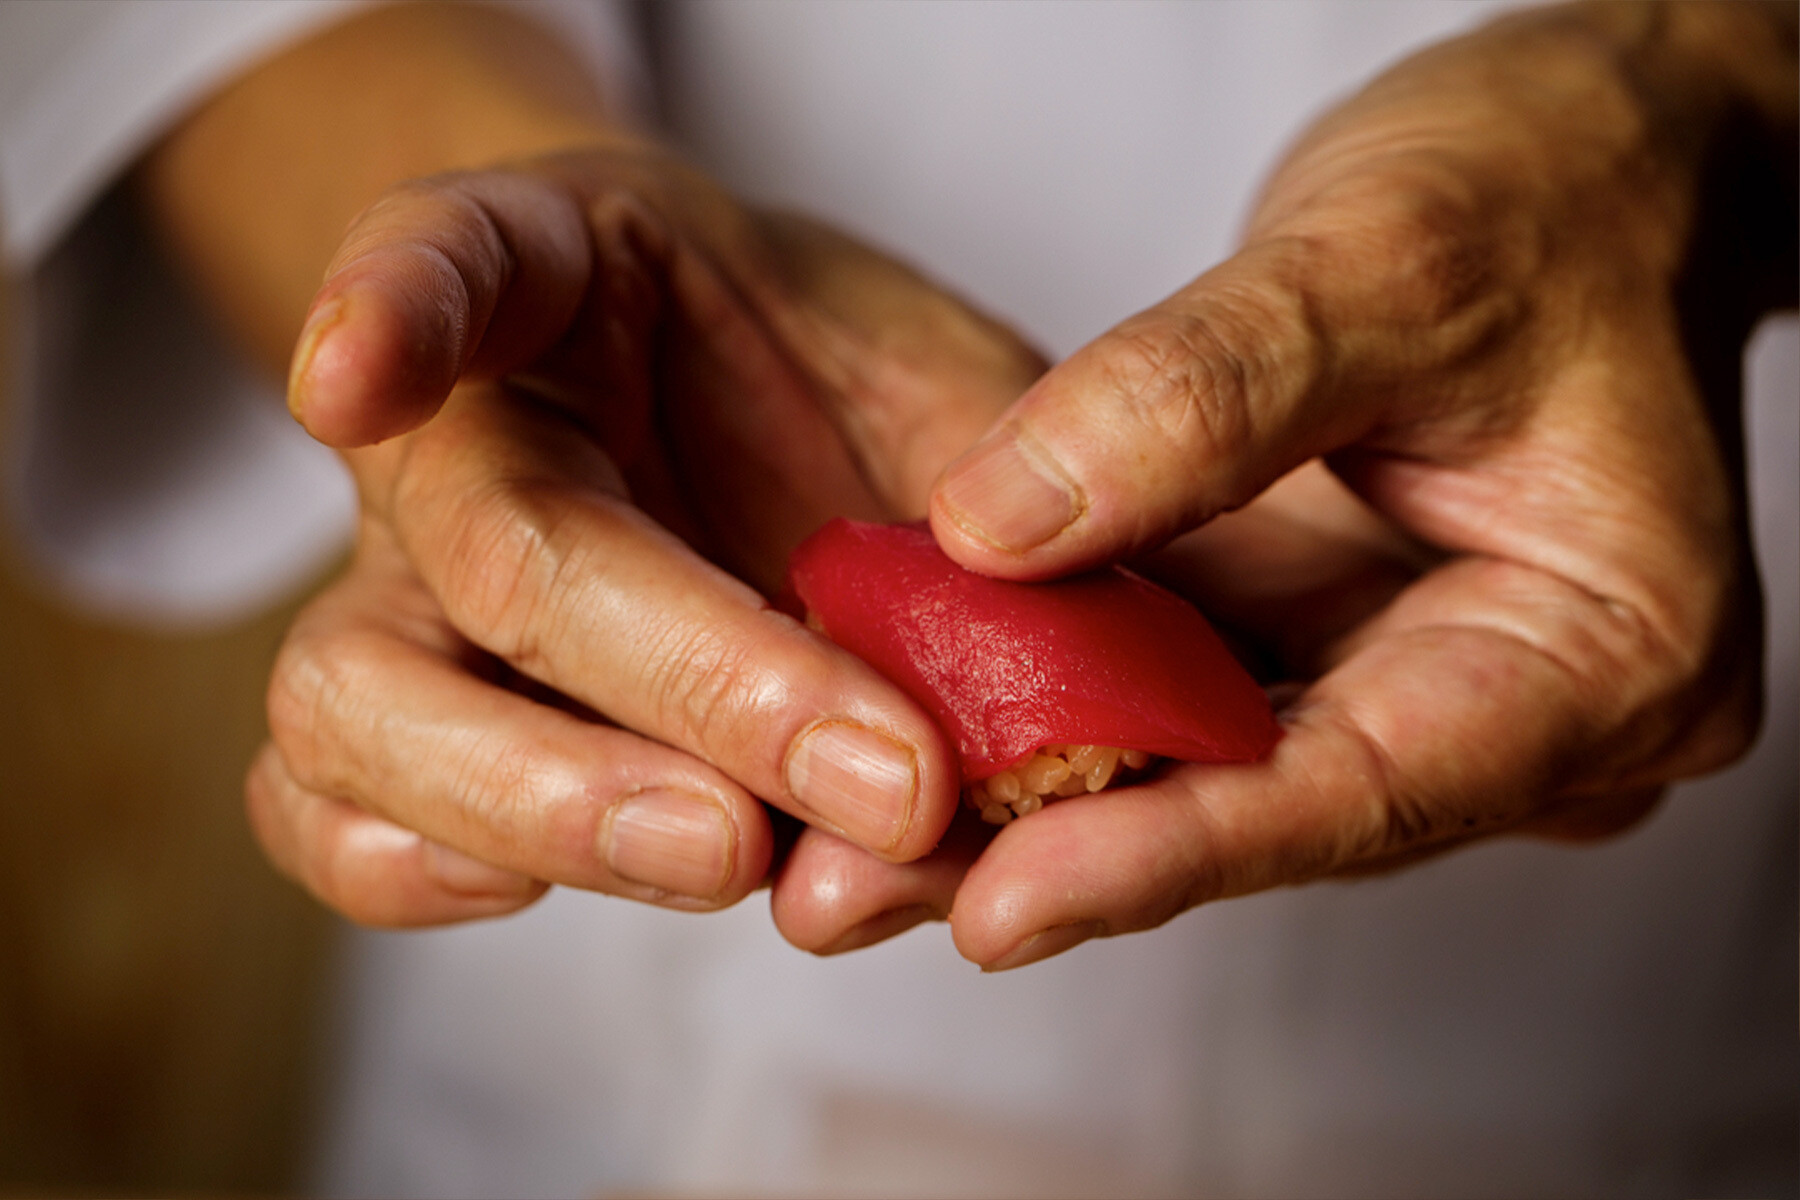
x=150, y=472
x=84, y=88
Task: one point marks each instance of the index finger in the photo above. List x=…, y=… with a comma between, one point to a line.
x=457, y=275
x=509, y=516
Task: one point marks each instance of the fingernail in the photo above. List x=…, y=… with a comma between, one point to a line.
x=880, y=927
x=318, y=325
x=467, y=876
x=1042, y=945
x=1010, y=493
x=676, y=841
x=855, y=779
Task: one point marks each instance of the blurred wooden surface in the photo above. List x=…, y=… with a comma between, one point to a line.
x=160, y=988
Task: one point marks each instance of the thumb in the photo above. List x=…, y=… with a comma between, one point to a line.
x=455, y=275
x=1180, y=413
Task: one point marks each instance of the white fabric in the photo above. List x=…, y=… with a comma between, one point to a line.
x=116, y=74
x=85, y=87
x=1516, y=1019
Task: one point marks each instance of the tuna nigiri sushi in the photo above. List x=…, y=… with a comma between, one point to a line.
x=1048, y=689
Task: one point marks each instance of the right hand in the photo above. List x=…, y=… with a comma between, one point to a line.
x=1453, y=441
x=590, y=404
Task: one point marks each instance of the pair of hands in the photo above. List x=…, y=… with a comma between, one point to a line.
x=1450, y=442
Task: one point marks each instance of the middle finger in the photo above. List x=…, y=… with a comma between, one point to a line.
x=516, y=522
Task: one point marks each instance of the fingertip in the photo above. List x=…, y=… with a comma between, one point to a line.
x=1046, y=943
x=932, y=766
x=888, y=786
x=993, y=917
x=1594, y=818
x=384, y=876
x=832, y=897
x=1177, y=414
x=937, y=791
x=685, y=846
x=814, y=897
x=1004, y=505
x=370, y=365
x=1083, y=867
x=863, y=761
x=753, y=849
x=878, y=928
x=321, y=323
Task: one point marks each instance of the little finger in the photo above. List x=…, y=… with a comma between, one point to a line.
x=373, y=871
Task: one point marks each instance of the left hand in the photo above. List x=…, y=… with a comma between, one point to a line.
x=1471, y=387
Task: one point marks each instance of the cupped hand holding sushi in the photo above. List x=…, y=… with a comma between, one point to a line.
x=1455, y=436
x=1501, y=293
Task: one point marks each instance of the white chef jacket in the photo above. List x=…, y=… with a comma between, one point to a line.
x=1515, y=1018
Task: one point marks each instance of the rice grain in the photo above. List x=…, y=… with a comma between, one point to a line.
x=1056, y=771
x=1101, y=773
x=1043, y=773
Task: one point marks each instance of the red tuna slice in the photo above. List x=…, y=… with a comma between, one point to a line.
x=1106, y=659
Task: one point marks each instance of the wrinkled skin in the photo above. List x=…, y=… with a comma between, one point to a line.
x=656, y=395
x=1451, y=442
x=1471, y=387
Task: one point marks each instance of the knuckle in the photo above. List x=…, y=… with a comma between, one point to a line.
x=302, y=688
x=703, y=682
x=1435, y=259
x=1419, y=247
x=624, y=222
x=319, y=694
x=443, y=213
x=1411, y=821
x=352, y=861
x=1183, y=384
x=1405, y=817
x=444, y=238
x=303, y=849
x=509, y=572
x=263, y=807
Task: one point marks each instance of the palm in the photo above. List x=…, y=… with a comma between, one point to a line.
x=795, y=379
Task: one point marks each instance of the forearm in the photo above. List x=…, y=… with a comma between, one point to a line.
x=254, y=190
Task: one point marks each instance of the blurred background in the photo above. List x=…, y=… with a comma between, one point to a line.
x=161, y=989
